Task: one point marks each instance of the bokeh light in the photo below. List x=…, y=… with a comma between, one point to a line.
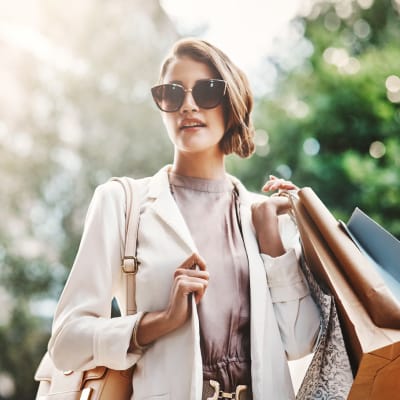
x=7, y=385
x=344, y=9
x=332, y=22
x=377, y=149
x=297, y=108
x=340, y=58
x=284, y=171
x=261, y=140
x=365, y=4
x=392, y=84
x=362, y=29
x=311, y=146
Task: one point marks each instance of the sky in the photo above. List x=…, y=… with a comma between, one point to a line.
x=249, y=32
x=244, y=29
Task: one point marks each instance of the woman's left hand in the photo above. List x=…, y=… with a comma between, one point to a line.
x=265, y=216
x=275, y=183
x=278, y=204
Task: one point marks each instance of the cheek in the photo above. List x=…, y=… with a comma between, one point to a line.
x=168, y=122
x=221, y=120
x=164, y=118
x=225, y=115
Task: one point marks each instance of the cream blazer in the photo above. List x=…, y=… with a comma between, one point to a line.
x=284, y=319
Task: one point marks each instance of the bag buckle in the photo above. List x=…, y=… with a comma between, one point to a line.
x=130, y=265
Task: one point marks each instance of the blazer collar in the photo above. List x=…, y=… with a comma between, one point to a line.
x=166, y=208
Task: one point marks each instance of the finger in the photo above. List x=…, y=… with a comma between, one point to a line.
x=198, y=290
x=273, y=181
x=283, y=202
x=194, y=261
x=279, y=184
x=184, y=283
x=192, y=273
x=283, y=205
x=187, y=285
x=271, y=186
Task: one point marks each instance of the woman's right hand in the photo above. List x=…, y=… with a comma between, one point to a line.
x=190, y=279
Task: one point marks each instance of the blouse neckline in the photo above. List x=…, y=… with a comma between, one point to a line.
x=201, y=184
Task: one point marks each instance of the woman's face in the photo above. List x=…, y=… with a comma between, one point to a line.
x=193, y=129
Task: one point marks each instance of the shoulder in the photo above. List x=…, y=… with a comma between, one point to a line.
x=108, y=192
x=246, y=196
x=112, y=193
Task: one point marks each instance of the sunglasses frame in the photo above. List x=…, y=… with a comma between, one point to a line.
x=184, y=91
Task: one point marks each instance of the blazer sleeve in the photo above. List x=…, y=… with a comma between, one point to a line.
x=83, y=334
x=296, y=313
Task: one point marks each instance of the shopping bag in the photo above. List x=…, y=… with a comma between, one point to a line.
x=336, y=262
x=329, y=374
x=368, y=284
x=378, y=245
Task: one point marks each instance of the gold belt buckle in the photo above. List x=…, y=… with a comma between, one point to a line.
x=219, y=394
x=215, y=386
x=239, y=389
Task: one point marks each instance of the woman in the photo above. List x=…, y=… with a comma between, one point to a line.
x=221, y=299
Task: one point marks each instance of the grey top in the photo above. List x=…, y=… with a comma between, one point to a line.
x=210, y=210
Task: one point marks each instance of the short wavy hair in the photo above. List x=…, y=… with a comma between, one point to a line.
x=238, y=101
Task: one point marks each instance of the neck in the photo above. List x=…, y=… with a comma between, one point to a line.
x=199, y=165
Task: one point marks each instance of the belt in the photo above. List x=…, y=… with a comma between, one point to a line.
x=211, y=391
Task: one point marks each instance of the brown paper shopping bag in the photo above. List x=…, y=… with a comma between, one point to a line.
x=337, y=263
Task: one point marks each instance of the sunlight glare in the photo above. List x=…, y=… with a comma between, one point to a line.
x=244, y=30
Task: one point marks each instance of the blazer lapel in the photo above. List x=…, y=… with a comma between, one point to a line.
x=258, y=289
x=165, y=207
x=167, y=210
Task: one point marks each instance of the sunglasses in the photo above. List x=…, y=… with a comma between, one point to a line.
x=207, y=93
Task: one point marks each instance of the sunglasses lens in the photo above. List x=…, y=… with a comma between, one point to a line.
x=168, y=97
x=209, y=93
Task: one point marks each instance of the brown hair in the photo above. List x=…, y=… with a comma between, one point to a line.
x=238, y=102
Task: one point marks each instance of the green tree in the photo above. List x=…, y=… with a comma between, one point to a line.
x=334, y=123
x=78, y=111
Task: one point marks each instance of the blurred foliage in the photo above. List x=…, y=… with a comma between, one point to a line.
x=75, y=110
x=331, y=124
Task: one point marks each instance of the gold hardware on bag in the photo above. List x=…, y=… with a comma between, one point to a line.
x=57, y=384
x=127, y=269
x=85, y=394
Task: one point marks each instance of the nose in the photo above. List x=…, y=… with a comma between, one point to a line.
x=189, y=103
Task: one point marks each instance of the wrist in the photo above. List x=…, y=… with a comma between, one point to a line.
x=148, y=328
x=135, y=345
x=269, y=238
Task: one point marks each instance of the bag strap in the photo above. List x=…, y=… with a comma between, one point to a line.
x=129, y=263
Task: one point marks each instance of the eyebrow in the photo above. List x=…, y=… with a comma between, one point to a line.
x=176, y=83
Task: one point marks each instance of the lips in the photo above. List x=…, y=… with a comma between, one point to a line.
x=191, y=123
